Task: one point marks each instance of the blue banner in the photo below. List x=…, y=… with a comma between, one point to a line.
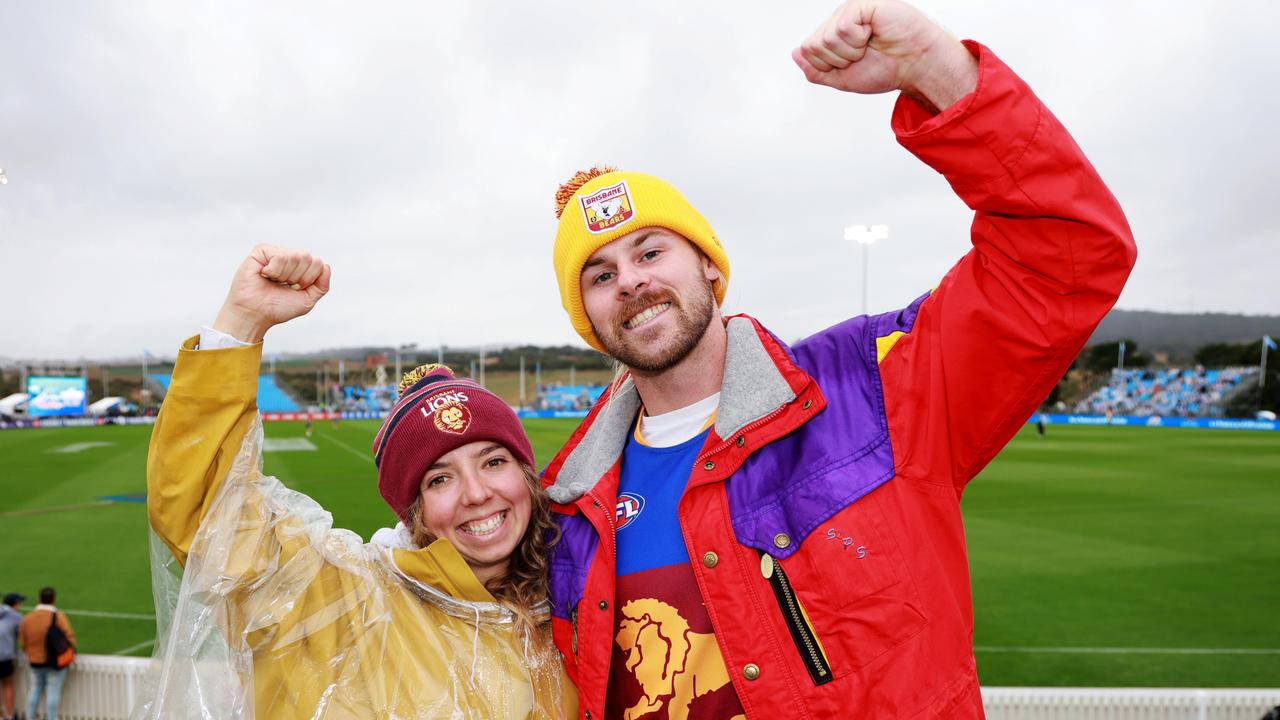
x=552, y=413
x=1154, y=421
x=26, y=423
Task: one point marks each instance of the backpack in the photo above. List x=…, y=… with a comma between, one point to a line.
x=59, y=652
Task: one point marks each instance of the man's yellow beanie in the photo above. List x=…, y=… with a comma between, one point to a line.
x=600, y=205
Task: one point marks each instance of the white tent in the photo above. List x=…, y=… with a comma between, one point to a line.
x=15, y=404
x=104, y=405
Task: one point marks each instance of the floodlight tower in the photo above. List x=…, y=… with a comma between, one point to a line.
x=399, y=349
x=866, y=237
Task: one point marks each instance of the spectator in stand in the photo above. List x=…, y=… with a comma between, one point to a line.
x=10, y=619
x=45, y=679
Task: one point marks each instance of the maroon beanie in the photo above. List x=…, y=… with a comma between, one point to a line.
x=436, y=414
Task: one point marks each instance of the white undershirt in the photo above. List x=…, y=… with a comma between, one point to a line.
x=672, y=428
x=211, y=339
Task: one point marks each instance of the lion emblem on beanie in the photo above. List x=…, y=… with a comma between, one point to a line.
x=449, y=411
x=453, y=418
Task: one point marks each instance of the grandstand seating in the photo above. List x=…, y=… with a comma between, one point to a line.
x=1168, y=392
x=272, y=398
x=567, y=397
x=380, y=398
x=374, y=398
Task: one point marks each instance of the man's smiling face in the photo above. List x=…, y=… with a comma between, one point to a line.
x=650, y=297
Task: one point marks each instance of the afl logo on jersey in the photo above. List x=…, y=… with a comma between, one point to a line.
x=629, y=507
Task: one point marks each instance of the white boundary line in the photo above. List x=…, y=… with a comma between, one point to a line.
x=1126, y=650
x=105, y=614
x=131, y=648
x=368, y=456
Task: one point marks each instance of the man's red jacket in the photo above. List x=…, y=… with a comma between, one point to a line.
x=822, y=519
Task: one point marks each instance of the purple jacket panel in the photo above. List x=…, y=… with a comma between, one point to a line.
x=570, y=559
x=898, y=320
x=800, y=481
x=841, y=454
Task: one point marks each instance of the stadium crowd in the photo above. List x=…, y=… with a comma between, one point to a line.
x=1169, y=392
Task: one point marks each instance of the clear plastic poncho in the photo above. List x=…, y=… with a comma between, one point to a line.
x=278, y=615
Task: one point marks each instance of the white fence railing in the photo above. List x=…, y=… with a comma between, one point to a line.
x=1026, y=703
x=101, y=687
x=98, y=687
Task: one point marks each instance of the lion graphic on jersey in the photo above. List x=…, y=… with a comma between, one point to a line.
x=658, y=644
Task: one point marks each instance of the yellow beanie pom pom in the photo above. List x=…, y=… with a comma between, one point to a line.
x=575, y=183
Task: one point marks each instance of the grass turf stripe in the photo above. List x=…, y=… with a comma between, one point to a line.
x=1126, y=650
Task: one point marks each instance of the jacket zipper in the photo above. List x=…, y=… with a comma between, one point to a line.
x=613, y=536
x=805, y=641
x=609, y=514
x=573, y=619
x=724, y=443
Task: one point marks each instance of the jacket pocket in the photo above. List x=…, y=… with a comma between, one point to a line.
x=851, y=577
x=809, y=648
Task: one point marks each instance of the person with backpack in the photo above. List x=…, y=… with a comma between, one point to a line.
x=49, y=642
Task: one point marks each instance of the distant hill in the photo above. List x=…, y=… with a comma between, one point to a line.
x=1179, y=334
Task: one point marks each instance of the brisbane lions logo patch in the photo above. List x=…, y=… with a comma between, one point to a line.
x=629, y=507
x=607, y=208
x=449, y=411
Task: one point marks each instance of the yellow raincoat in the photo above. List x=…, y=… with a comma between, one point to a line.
x=281, y=616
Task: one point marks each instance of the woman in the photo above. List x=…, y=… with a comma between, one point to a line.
x=281, y=616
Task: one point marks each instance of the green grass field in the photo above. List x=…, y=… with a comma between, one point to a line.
x=1100, y=556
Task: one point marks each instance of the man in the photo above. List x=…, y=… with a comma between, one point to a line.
x=10, y=619
x=46, y=679
x=751, y=530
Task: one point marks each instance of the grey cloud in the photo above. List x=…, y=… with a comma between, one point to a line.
x=417, y=146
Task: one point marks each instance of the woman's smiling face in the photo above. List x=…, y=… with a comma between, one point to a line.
x=477, y=498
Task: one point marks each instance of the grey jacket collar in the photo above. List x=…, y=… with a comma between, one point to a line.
x=753, y=387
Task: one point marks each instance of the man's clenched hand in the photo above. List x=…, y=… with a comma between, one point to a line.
x=876, y=46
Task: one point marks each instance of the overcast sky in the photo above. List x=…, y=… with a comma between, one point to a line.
x=417, y=147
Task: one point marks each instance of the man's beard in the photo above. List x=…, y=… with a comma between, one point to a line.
x=691, y=325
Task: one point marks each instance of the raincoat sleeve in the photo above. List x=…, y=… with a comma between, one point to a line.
x=966, y=366
x=209, y=408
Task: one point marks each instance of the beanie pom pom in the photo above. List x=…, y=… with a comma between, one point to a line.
x=413, y=376
x=575, y=183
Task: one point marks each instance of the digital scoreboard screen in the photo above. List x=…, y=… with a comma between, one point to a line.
x=56, y=396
